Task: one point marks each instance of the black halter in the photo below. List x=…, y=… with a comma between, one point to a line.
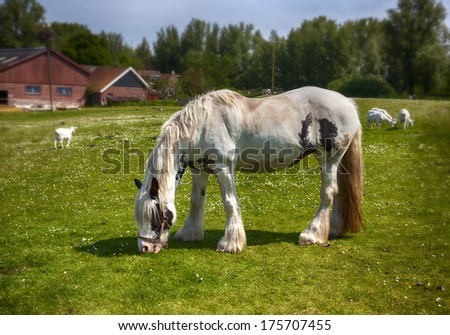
x=146, y=239
x=165, y=223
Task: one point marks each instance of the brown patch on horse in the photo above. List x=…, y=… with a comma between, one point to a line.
x=328, y=132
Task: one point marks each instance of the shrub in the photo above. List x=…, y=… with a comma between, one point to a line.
x=363, y=87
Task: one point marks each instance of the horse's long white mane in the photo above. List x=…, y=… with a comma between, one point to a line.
x=182, y=126
x=186, y=120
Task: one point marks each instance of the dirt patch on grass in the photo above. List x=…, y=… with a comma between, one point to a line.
x=9, y=109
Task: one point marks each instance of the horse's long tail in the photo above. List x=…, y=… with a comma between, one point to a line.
x=350, y=183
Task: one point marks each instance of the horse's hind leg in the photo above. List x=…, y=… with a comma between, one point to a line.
x=337, y=216
x=234, y=239
x=319, y=227
x=192, y=229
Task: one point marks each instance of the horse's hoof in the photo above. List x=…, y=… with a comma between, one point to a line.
x=308, y=239
x=228, y=248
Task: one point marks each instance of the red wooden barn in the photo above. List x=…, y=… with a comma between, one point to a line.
x=25, y=79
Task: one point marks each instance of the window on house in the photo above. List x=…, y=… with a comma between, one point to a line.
x=33, y=89
x=64, y=91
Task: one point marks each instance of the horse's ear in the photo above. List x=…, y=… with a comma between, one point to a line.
x=154, y=188
x=138, y=183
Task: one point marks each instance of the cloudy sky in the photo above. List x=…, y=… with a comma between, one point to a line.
x=135, y=19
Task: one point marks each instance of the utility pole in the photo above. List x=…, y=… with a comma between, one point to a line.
x=49, y=64
x=46, y=36
x=273, y=68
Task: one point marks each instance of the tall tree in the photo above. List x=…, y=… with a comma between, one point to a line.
x=194, y=36
x=203, y=67
x=87, y=48
x=20, y=23
x=212, y=40
x=193, y=42
x=366, y=46
x=122, y=55
x=235, y=46
x=411, y=32
x=143, y=55
x=167, y=49
x=319, y=53
x=259, y=70
x=64, y=31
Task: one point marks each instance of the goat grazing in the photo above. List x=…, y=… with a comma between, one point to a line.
x=377, y=115
x=61, y=134
x=405, y=118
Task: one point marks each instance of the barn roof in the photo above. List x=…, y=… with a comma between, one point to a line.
x=102, y=78
x=12, y=57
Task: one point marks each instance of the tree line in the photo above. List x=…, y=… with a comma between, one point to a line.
x=406, y=53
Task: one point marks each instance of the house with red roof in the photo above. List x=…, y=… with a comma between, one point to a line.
x=107, y=85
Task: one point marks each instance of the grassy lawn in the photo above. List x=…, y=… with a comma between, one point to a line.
x=68, y=238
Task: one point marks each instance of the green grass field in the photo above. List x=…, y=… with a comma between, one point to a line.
x=68, y=238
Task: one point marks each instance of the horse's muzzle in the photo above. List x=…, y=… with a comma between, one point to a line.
x=148, y=248
x=148, y=245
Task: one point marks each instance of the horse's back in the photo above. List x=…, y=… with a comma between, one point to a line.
x=283, y=117
x=310, y=104
x=322, y=102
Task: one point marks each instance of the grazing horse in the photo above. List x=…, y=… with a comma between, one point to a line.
x=63, y=133
x=222, y=132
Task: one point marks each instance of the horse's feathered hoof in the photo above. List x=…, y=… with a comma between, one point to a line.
x=229, y=247
x=307, y=238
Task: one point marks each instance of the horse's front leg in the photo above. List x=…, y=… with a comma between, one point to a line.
x=319, y=227
x=192, y=229
x=234, y=239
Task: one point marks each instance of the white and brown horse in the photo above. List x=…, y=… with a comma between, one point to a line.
x=222, y=132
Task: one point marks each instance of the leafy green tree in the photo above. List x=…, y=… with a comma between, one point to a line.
x=366, y=39
x=259, y=70
x=319, y=53
x=143, y=55
x=235, y=48
x=212, y=39
x=412, y=33
x=167, y=50
x=203, y=67
x=122, y=55
x=193, y=41
x=89, y=49
x=194, y=36
x=20, y=23
x=432, y=67
x=65, y=31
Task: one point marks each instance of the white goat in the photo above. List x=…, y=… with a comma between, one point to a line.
x=405, y=118
x=63, y=133
x=377, y=115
